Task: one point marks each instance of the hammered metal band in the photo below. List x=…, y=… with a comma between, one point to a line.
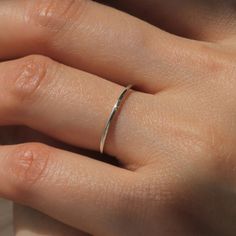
x=112, y=115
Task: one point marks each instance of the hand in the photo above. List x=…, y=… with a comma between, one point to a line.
x=177, y=151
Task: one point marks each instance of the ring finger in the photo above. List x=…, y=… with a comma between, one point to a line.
x=68, y=104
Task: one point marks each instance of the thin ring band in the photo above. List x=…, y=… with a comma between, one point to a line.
x=113, y=112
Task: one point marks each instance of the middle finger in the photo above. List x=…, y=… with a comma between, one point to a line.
x=96, y=39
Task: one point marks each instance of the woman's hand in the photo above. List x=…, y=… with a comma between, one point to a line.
x=174, y=138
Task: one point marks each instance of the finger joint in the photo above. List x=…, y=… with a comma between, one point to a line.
x=54, y=15
x=33, y=70
x=28, y=165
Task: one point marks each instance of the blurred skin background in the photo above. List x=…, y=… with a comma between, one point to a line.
x=6, y=228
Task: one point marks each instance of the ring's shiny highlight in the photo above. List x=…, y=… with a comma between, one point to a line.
x=112, y=115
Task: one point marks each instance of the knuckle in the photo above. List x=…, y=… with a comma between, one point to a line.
x=219, y=149
x=208, y=60
x=28, y=165
x=53, y=15
x=131, y=203
x=32, y=72
x=206, y=148
x=131, y=198
x=214, y=62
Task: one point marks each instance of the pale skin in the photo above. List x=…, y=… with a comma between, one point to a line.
x=174, y=136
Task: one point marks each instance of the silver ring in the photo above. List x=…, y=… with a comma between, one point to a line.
x=112, y=115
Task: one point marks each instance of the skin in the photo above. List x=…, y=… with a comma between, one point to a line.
x=174, y=136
